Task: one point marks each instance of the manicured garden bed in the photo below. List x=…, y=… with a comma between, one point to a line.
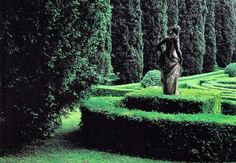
x=189, y=101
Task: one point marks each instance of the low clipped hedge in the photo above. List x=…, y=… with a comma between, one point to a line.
x=109, y=91
x=120, y=90
x=189, y=101
x=179, y=137
x=228, y=107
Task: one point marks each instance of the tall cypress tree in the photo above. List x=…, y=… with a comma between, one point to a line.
x=192, y=21
x=210, y=36
x=2, y=70
x=96, y=29
x=154, y=24
x=234, y=55
x=43, y=67
x=224, y=32
x=173, y=12
x=127, y=42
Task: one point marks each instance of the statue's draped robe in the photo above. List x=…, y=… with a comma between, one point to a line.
x=170, y=65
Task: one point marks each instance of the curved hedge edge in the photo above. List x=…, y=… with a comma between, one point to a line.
x=153, y=99
x=109, y=106
x=109, y=91
x=158, y=139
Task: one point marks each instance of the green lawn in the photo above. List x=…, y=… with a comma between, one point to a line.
x=58, y=150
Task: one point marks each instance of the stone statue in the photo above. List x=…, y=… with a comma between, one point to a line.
x=170, y=61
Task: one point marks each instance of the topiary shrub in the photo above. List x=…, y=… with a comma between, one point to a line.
x=231, y=70
x=152, y=78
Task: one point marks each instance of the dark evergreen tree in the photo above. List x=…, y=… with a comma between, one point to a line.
x=224, y=32
x=210, y=37
x=154, y=25
x=2, y=70
x=234, y=55
x=192, y=15
x=127, y=42
x=44, y=63
x=96, y=33
x=173, y=12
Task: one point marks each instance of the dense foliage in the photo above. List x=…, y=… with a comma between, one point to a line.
x=224, y=32
x=151, y=78
x=205, y=137
x=188, y=102
x=44, y=63
x=173, y=12
x=53, y=51
x=127, y=42
x=96, y=34
x=231, y=69
x=154, y=26
x=210, y=37
x=192, y=21
x=234, y=56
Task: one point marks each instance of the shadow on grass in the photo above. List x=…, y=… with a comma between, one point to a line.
x=78, y=140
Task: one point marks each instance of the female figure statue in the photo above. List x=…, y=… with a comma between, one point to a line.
x=170, y=61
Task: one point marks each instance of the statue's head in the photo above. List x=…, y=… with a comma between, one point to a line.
x=175, y=30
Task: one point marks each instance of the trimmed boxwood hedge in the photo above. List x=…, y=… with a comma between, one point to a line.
x=228, y=107
x=179, y=137
x=189, y=101
x=120, y=90
x=109, y=91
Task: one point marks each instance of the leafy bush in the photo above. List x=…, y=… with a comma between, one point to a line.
x=204, y=137
x=152, y=78
x=231, y=70
x=189, y=101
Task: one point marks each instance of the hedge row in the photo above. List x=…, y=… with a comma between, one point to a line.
x=228, y=107
x=109, y=91
x=189, y=101
x=180, y=137
x=119, y=90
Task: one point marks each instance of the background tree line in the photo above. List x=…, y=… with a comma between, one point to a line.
x=52, y=51
x=206, y=42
